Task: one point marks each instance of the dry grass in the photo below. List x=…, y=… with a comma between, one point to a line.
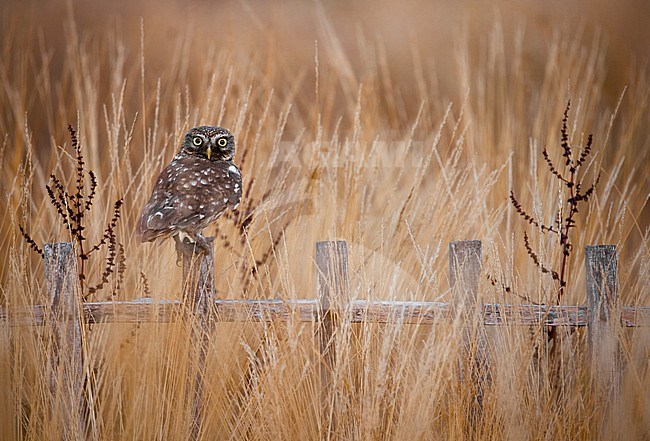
x=352, y=125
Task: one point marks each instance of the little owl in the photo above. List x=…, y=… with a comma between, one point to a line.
x=198, y=185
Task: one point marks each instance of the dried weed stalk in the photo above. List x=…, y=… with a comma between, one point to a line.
x=571, y=179
x=73, y=209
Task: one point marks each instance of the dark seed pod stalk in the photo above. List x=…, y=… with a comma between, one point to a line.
x=73, y=210
x=570, y=178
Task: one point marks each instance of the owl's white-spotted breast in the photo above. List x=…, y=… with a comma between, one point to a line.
x=195, y=189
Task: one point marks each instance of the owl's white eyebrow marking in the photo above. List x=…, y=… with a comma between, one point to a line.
x=225, y=200
x=236, y=205
x=233, y=169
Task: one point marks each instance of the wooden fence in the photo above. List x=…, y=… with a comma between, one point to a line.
x=67, y=314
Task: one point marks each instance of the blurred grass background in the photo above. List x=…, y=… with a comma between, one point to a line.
x=397, y=126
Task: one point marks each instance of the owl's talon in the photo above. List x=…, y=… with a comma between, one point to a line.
x=203, y=244
x=185, y=246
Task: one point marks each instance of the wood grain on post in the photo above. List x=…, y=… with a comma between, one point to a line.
x=198, y=298
x=601, y=266
x=464, y=275
x=66, y=361
x=333, y=290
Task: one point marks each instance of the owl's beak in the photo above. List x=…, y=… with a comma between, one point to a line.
x=209, y=152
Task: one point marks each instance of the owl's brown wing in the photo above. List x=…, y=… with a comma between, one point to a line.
x=232, y=183
x=158, y=215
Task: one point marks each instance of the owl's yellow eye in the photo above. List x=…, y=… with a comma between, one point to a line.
x=197, y=141
x=222, y=142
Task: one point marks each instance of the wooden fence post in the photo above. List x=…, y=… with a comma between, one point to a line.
x=604, y=318
x=66, y=361
x=464, y=274
x=198, y=294
x=333, y=290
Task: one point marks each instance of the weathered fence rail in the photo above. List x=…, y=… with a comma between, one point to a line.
x=148, y=310
x=602, y=315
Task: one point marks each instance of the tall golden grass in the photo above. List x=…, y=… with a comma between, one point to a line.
x=375, y=124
